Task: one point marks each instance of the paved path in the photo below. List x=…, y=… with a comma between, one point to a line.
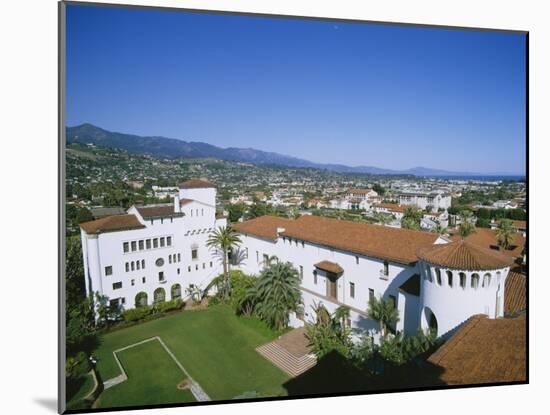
x=199, y=394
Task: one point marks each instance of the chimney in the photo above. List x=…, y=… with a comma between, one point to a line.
x=177, y=208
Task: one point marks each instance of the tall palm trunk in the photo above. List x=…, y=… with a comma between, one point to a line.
x=226, y=276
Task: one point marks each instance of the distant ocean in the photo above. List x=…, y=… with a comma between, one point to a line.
x=482, y=178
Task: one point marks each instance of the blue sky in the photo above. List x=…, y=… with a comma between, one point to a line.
x=358, y=94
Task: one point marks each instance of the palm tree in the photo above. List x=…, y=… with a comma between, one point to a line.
x=440, y=229
x=341, y=314
x=383, y=311
x=505, y=233
x=411, y=218
x=278, y=294
x=465, y=228
x=223, y=240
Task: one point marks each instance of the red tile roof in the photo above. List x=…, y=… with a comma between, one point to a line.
x=394, y=207
x=264, y=226
x=515, y=296
x=399, y=245
x=484, y=350
x=112, y=224
x=329, y=267
x=156, y=211
x=488, y=239
x=462, y=254
x=195, y=184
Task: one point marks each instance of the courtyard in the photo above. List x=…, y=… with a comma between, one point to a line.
x=214, y=346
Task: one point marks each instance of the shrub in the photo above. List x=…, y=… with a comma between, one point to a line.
x=77, y=366
x=136, y=314
x=171, y=305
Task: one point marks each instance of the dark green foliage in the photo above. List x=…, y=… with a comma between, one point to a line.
x=236, y=212
x=411, y=218
x=278, y=294
x=379, y=189
x=223, y=240
x=483, y=223
x=329, y=333
x=383, y=311
x=136, y=314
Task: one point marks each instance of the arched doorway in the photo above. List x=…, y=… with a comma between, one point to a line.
x=430, y=320
x=175, y=292
x=159, y=295
x=141, y=299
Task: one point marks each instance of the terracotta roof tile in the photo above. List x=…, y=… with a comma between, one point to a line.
x=391, y=206
x=195, y=184
x=112, y=224
x=148, y=212
x=515, y=299
x=462, y=254
x=329, y=267
x=399, y=245
x=487, y=238
x=263, y=226
x=484, y=350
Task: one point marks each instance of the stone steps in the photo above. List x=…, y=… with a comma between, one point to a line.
x=285, y=360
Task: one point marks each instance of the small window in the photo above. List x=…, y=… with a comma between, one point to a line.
x=474, y=282
x=117, y=285
x=126, y=247
x=141, y=245
x=438, y=276
x=204, y=265
x=143, y=280
x=133, y=266
x=138, y=265
x=161, y=276
x=257, y=256
x=487, y=280
x=352, y=290
x=357, y=260
x=109, y=270
x=301, y=273
x=169, y=259
x=169, y=241
x=155, y=243
x=178, y=271
x=189, y=268
x=211, y=264
x=266, y=258
x=162, y=242
x=134, y=246
x=202, y=212
x=159, y=262
x=123, y=300
x=142, y=264
x=148, y=244
x=386, y=268
x=371, y=294
x=450, y=278
x=127, y=265
x=462, y=280
x=315, y=277
x=194, y=253
x=303, y=244
x=133, y=282
x=179, y=257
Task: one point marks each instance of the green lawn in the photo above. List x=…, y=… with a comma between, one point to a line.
x=215, y=347
x=153, y=377
x=85, y=388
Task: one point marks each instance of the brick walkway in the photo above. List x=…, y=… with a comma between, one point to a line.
x=289, y=352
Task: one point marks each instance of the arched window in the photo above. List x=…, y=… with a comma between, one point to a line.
x=133, y=265
x=141, y=299
x=450, y=278
x=428, y=273
x=438, y=276
x=462, y=280
x=498, y=277
x=159, y=295
x=486, y=280
x=474, y=283
x=175, y=292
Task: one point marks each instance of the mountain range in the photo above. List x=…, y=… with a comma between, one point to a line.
x=176, y=148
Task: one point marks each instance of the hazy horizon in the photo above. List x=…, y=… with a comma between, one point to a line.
x=392, y=97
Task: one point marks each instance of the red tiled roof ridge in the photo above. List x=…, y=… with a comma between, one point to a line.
x=195, y=184
x=112, y=224
x=462, y=254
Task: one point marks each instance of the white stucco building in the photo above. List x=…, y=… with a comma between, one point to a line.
x=347, y=263
x=156, y=250
x=437, y=200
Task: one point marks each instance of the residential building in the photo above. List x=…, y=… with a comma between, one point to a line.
x=436, y=200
